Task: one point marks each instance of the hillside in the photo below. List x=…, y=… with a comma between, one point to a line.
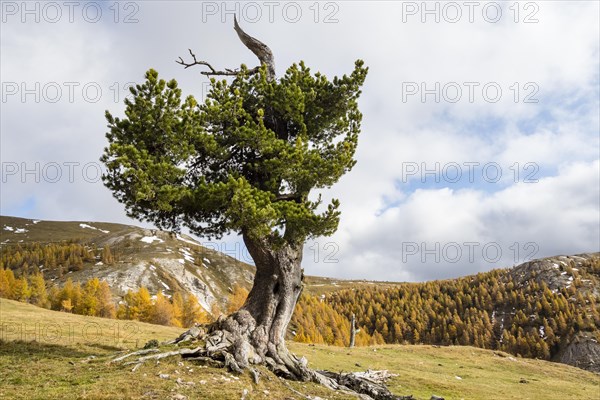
x=545, y=309
x=68, y=360
x=142, y=257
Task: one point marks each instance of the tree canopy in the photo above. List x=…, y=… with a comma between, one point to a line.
x=245, y=160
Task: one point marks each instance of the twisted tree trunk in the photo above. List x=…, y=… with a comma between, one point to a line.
x=271, y=302
x=255, y=334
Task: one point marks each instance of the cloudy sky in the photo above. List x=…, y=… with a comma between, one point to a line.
x=480, y=144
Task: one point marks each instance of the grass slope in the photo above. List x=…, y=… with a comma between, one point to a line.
x=53, y=231
x=46, y=355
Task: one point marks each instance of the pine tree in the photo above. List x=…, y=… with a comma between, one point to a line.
x=38, y=296
x=106, y=305
x=20, y=290
x=162, y=311
x=254, y=151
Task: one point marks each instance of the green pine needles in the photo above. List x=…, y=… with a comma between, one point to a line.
x=245, y=160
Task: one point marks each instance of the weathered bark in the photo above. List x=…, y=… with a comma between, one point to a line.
x=370, y=383
x=255, y=334
x=260, y=50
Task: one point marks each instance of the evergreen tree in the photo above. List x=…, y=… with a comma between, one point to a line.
x=246, y=160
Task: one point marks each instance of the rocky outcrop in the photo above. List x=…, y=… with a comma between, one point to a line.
x=554, y=271
x=559, y=272
x=583, y=352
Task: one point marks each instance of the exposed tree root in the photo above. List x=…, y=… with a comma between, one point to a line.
x=135, y=367
x=369, y=383
x=135, y=353
x=193, y=333
x=235, y=349
x=159, y=356
x=297, y=393
x=255, y=375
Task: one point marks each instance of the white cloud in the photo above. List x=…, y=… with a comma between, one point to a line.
x=559, y=133
x=559, y=214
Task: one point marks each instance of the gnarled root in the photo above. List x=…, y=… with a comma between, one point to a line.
x=236, y=343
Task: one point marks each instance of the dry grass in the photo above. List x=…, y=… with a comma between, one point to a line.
x=46, y=355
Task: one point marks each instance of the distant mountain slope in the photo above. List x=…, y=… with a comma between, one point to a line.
x=561, y=274
x=143, y=257
x=547, y=308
